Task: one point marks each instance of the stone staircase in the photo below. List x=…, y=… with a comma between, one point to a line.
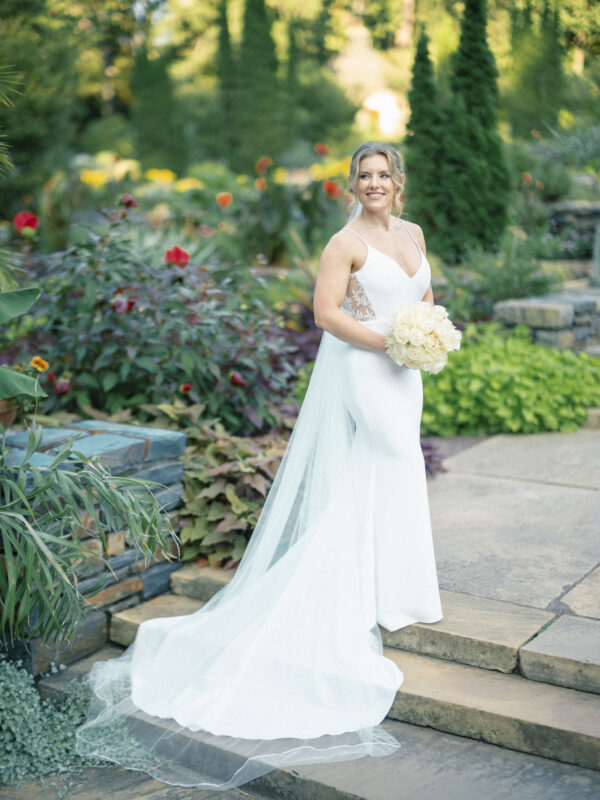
x=523, y=681
x=520, y=677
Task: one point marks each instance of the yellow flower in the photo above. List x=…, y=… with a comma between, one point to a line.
x=96, y=178
x=39, y=363
x=160, y=175
x=187, y=184
x=280, y=175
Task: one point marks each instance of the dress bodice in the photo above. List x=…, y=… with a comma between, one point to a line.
x=381, y=285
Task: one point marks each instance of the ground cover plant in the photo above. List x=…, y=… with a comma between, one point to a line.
x=501, y=381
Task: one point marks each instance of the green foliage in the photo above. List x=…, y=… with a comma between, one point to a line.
x=258, y=101
x=226, y=481
x=381, y=19
x=486, y=277
x=226, y=72
x=475, y=183
x=40, y=47
x=155, y=114
x=325, y=113
x=37, y=737
x=596, y=258
x=501, y=381
x=537, y=76
x=44, y=510
x=126, y=329
x=423, y=150
x=13, y=384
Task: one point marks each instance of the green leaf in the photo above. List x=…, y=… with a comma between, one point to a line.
x=13, y=304
x=13, y=384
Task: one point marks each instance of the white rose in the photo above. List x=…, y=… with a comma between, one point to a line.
x=401, y=333
x=416, y=337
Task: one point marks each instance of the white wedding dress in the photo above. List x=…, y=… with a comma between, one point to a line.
x=285, y=665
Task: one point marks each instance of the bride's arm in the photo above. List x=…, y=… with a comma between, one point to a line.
x=330, y=291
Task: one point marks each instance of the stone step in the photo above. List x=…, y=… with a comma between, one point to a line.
x=510, y=710
x=431, y=764
x=479, y=631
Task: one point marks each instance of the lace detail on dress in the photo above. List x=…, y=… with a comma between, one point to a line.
x=357, y=302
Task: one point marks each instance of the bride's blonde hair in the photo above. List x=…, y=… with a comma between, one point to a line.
x=396, y=170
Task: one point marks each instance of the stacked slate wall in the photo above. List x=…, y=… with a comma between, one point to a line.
x=147, y=453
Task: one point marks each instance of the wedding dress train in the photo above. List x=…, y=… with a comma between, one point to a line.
x=285, y=664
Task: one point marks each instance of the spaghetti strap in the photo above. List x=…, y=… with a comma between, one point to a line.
x=410, y=234
x=347, y=228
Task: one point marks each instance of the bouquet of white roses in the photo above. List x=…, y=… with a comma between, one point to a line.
x=420, y=336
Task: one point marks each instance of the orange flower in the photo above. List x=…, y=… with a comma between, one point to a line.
x=332, y=188
x=260, y=184
x=39, y=363
x=224, y=199
x=263, y=163
x=527, y=178
x=321, y=149
x=536, y=134
x=540, y=185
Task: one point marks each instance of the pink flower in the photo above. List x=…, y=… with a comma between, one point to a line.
x=62, y=387
x=128, y=201
x=177, y=256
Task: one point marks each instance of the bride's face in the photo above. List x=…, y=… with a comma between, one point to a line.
x=375, y=187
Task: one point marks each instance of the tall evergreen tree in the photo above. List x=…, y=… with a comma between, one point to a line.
x=473, y=80
x=380, y=18
x=292, y=80
x=226, y=76
x=258, y=105
x=423, y=153
x=155, y=114
x=537, y=76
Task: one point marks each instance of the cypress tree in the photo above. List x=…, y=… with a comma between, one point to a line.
x=292, y=81
x=551, y=74
x=226, y=78
x=155, y=114
x=258, y=106
x=473, y=80
x=423, y=154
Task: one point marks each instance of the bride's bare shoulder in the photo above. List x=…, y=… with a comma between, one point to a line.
x=345, y=246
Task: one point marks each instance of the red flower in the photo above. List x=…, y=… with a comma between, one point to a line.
x=224, y=199
x=51, y=377
x=186, y=387
x=263, y=163
x=177, y=256
x=237, y=380
x=321, y=149
x=332, y=188
x=260, y=184
x=25, y=223
x=128, y=201
x=62, y=387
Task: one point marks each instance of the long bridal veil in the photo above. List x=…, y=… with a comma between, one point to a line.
x=284, y=665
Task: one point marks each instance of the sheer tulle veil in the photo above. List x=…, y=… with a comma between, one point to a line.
x=284, y=665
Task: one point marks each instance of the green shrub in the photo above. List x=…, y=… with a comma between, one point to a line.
x=501, y=381
x=123, y=328
x=483, y=278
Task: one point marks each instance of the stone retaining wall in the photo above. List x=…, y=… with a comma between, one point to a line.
x=564, y=319
x=147, y=453
x=582, y=215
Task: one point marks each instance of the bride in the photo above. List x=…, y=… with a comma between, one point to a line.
x=284, y=665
